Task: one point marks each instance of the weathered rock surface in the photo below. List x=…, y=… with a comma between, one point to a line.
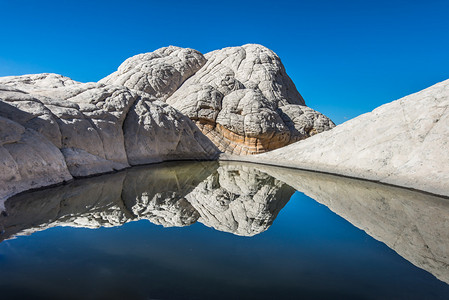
x=33, y=82
x=411, y=223
x=98, y=128
x=155, y=132
x=244, y=101
x=405, y=143
x=157, y=73
x=27, y=160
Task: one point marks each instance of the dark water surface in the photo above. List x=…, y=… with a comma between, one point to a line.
x=230, y=231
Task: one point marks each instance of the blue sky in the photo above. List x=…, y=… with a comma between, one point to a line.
x=345, y=57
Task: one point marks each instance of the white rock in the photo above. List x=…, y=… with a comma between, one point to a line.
x=33, y=82
x=155, y=132
x=405, y=143
x=27, y=160
x=157, y=73
x=100, y=128
x=244, y=101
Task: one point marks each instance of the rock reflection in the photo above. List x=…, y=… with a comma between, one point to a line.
x=414, y=224
x=239, y=198
x=156, y=193
x=236, y=199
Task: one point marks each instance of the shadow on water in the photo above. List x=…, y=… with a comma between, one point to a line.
x=238, y=198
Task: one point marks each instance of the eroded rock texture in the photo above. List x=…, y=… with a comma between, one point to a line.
x=157, y=73
x=155, y=132
x=97, y=128
x=244, y=101
x=405, y=142
x=27, y=160
x=33, y=82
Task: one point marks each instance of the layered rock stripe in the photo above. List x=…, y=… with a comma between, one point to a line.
x=171, y=104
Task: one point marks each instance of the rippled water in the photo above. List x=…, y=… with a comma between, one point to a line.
x=229, y=231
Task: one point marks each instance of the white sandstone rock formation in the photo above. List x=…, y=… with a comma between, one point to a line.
x=97, y=128
x=33, y=82
x=405, y=143
x=244, y=101
x=155, y=132
x=240, y=98
x=27, y=160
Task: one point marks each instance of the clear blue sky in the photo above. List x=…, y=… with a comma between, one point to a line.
x=345, y=57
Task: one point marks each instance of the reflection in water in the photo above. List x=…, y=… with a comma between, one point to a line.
x=231, y=198
x=242, y=199
x=239, y=199
x=413, y=224
x=156, y=194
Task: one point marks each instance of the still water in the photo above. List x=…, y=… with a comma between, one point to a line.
x=208, y=230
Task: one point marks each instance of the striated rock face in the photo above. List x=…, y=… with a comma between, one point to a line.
x=155, y=132
x=244, y=101
x=404, y=142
